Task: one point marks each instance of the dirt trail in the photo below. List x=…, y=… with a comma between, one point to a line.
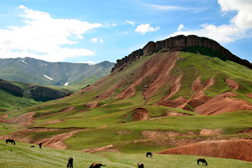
x=233, y=149
x=22, y=120
x=56, y=141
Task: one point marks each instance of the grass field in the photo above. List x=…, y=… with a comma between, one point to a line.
x=23, y=156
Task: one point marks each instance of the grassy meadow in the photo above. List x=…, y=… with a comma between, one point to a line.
x=23, y=156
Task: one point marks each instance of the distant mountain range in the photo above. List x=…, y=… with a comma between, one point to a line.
x=51, y=73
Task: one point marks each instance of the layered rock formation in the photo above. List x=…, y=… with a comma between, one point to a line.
x=36, y=92
x=40, y=93
x=178, y=43
x=11, y=88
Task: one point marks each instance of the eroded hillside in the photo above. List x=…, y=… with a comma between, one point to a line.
x=166, y=99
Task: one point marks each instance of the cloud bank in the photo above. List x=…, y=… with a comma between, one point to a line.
x=239, y=26
x=43, y=37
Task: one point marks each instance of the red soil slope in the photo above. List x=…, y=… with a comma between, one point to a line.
x=223, y=103
x=234, y=149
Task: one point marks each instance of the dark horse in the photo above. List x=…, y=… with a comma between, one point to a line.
x=202, y=160
x=96, y=165
x=140, y=165
x=11, y=141
x=148, y=154
x=70, y=163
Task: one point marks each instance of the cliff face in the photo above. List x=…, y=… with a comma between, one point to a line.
x=178, y=43
x=40, y=93
x=36, y=92
x=9, y=87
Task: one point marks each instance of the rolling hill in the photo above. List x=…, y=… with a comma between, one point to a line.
x=179, y=92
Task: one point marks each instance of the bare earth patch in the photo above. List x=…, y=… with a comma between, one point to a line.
x=56, y=141
x=50, y=122
x=211, y=132
x=107, y=148
x=92, y=105
x=159, y=134
x=247, y=130
x=223, y=103
x=233, y=149
x=22, y=120
x=140, y=114
x=232, y=84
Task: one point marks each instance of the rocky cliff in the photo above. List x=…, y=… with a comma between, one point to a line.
x=36, y=92
x=11, y=88
x=40, y=93
x=178, y=43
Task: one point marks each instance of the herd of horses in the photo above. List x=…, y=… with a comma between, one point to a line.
x=139, y=165
x=98, y=165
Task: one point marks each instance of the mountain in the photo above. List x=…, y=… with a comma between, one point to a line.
x=40, y=72
x=164, y=96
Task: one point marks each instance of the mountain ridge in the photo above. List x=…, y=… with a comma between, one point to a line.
x=41, y=72
x=179, y=42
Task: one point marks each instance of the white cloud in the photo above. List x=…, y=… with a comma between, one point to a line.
x=143, y=28
x=131, y=22
x=43, y=36
x=181, y=26
x=114, y=24
x=164, y=7
x=94, y=40
x=79, y=37
x=238, y=27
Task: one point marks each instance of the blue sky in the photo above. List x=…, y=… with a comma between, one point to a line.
x=98, y=30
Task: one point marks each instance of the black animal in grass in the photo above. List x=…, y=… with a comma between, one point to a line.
x=11, y=141
x=70, y=163
x=140, y=165
x=149, y=154
x=96, y=165
x=203, y=161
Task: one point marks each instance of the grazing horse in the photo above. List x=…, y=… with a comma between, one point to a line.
x=202, y=160
x=11, y=141
x=70, y=163
x=96, y=165
x=148, y=154
x=140, y=165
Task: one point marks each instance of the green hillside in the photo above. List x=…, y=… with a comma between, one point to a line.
x=105, y=113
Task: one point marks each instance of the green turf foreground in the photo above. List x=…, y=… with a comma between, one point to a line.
x=22, y=155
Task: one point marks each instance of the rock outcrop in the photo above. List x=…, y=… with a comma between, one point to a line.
x=11, y=88
x=40, y=93
x=178, y=43
x=36, y=92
